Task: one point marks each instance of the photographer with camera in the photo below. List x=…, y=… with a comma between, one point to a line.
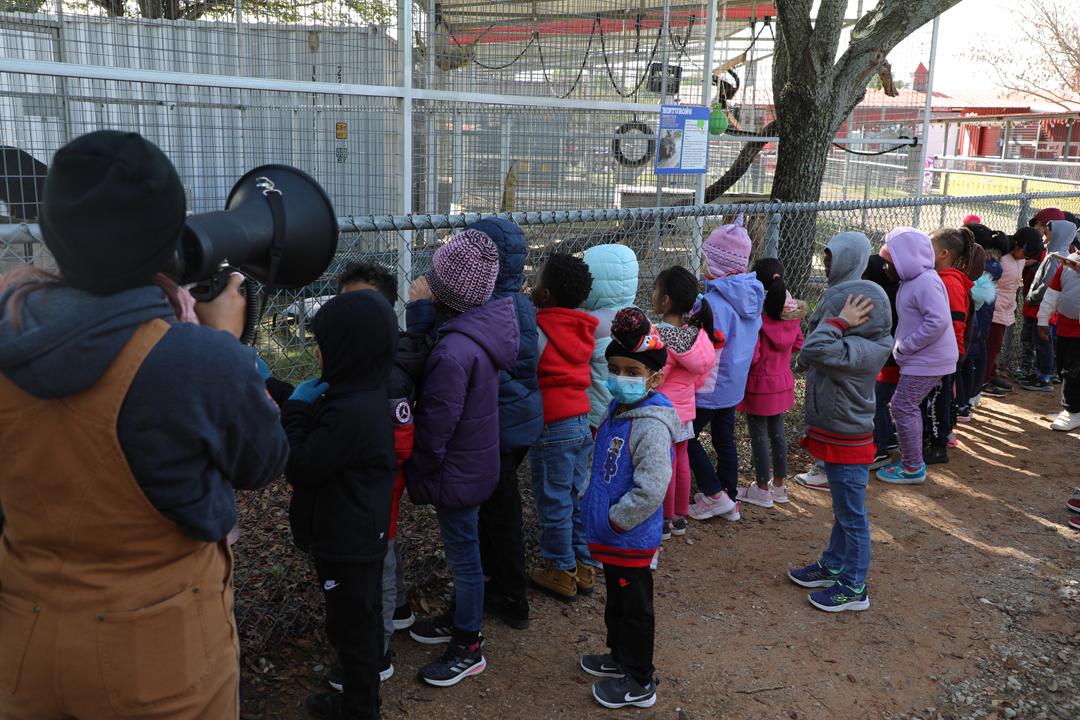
x=126, y=433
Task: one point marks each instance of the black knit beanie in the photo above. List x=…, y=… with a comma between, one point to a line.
x=112, y=211
x=634, y=337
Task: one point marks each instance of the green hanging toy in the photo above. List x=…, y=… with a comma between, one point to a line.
x=718, y=121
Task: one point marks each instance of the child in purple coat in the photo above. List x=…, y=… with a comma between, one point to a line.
x=455, y=460
x=925, y=349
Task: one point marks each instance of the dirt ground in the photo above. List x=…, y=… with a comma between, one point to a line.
x=974, y=585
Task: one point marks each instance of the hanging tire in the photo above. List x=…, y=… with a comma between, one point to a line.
x=625, y=129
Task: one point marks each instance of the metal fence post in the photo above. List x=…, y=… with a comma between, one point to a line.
x=944, y=193
x=1025, y=205
x=772, y=235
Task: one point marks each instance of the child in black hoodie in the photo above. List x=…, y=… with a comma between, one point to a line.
x=341, y=467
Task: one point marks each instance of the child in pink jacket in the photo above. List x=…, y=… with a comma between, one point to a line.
x=691, y=356
x=770, y=387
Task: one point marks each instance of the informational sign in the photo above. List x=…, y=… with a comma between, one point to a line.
x=682, y=143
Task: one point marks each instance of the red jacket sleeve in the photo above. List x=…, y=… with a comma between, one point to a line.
x=958, y=309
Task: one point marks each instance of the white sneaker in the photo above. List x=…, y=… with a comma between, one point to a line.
x=779, y=493
x=815, y=478
x=975, y=400
x=756, y=496
x=733, y=515
x=705, y=507
x=655, y=560
x=1066, y=421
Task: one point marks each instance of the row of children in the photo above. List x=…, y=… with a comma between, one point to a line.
x=492, y=381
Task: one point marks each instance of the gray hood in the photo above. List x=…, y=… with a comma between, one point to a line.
x=850, y=253
x=68, y=337
x=664, y=413
x=1062, y=233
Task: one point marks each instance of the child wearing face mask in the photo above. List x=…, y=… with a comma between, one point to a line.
x=622, y=507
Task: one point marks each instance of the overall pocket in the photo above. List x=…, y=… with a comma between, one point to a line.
x=154, y=655
x=17, y=620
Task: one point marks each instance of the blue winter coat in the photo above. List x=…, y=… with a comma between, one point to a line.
x=521, y=410
x=455, y=460
x=736, y=302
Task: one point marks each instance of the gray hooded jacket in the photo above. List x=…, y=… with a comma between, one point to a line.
x=850, y=254
x=1062, y=233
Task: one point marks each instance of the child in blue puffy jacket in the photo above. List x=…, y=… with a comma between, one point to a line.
x=623, y=507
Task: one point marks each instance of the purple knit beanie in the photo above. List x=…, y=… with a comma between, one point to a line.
x=463, y=270
x=727, y=249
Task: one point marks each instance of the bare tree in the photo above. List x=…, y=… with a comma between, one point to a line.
x=375, y=11
x=1045, y=61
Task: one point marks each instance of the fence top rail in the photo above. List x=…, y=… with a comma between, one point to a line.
x=31, y=232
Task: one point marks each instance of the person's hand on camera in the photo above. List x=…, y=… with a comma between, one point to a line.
x=420, y=290
x=309, y=391
x=226, y=311
x=856, y=310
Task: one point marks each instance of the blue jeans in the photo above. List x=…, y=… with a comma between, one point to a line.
x=883, y=424
x=725, y=476
x=559, y=462
x=1037, y=348
x=461, y=540
x=849, y=546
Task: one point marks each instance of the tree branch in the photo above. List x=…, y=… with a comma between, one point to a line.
x=742, y=163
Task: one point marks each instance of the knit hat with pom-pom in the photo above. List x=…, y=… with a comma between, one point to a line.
x=463, y=271
x=727, y=249
x=634, y=337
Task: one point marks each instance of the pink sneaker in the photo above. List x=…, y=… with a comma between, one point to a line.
x=779, y=493
x=709, y=506
x=756, y=496
x=952, y=441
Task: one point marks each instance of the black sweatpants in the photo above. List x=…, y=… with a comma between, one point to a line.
x=1068, y=359
x=631, y=624
x=354, y=626
x=938, y=419
x=502, y=540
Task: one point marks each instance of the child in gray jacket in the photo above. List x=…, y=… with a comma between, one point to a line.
x=842, y=357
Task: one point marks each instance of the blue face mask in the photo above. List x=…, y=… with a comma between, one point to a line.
x=628, y=390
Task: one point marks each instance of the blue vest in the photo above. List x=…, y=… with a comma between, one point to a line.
x=612, y=477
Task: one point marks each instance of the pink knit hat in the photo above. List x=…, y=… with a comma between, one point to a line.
x=972, y=220
x=463, y=270
x=727, y=249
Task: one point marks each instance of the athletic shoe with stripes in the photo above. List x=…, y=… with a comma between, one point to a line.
x=457, y=663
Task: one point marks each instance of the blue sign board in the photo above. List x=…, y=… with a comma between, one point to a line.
x=682, y=143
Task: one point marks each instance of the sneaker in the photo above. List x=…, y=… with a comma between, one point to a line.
x=733, y=515
x=457, y=663
x=963, y=416
x=893, y=443
x=895, y=474
x=655, y=560
x=1021, y=375
x=586, y=578
x=403, y=617
x=1037, y=385
x=560, y=583
x=325, y=706
x=756, y=496
x=1074, y=523
x=1073, y=503
x=1000, y=384
x=880, y=460
x=386, y=670
x=601, y=666
x=514, y=613
x=975, y=400
x=336, y=677
x=779, y=493
x=624, y=692
x=435, y=631
x=678, y=526
x=709, y=506
x=666, y=534
x=813, y=576
x=992, y=391
x=840, y=597
x=935, y=455
x=951, y=441
x=814, y=478
x=1056, y=380
x=1066, y=421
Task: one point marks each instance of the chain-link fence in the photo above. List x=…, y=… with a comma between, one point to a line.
x=275, y=594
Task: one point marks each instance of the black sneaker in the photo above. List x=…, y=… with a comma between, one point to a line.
x=880, y=460
x=386, y=670
x=666, y=534
x=403, y=617
x=601, y=666
x=514, y=613
x=935, y=456
x=456, y=664
x=893, y=443
x=624, y=692
x=1001, y=384
x=678, y=526
x=325, y=706
x=993, y=390
x=336, y=677
x=433, y=632
x=1037, y=385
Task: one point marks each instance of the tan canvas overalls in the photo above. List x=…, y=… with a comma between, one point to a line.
x=107, y=610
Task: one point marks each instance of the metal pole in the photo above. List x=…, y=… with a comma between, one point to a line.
x=431, y=152
x=1025, y=205
x=1068, y=141
x=405, y=42
x=665, y=30
x=455, y=183
x=944, y=193
x=928, y=108
x=1005, y=140
x=706, y=99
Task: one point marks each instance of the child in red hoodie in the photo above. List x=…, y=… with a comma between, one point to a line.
x=559, y=461
x=953, y=253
